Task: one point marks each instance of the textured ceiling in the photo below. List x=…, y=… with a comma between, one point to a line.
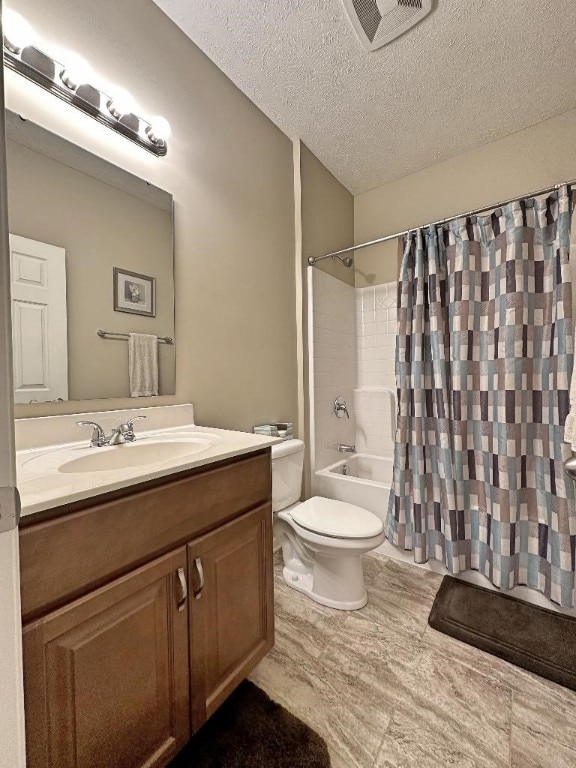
x=471, y=72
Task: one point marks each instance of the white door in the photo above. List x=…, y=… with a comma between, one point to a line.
x=39, y=320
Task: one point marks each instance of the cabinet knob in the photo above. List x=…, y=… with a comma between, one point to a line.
x=183, y=588
x=200, y=572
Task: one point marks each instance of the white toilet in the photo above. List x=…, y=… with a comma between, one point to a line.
x=322, y=539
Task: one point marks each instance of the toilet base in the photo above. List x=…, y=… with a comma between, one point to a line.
x=337, y=582
x=304, y=582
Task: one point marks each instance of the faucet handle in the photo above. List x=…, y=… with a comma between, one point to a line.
x=98, y=435
x=127, y=429
x=340, y=407
x=131, y=422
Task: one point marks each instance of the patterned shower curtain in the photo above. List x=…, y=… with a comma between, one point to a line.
x=483, y=366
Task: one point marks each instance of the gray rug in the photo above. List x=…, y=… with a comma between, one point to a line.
x=537, y=639
x=252, y=731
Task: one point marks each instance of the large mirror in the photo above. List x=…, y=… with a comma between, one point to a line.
x=92, y=273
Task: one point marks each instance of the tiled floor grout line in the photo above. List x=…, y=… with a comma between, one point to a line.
x=379, y=750
x=512, y=696
x=470, y=665
x=327, y=643
x=395, y=709
x=394, y=631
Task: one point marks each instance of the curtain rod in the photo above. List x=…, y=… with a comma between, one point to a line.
x=336, y=254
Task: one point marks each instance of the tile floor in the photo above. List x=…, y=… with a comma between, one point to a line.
x=387, y=691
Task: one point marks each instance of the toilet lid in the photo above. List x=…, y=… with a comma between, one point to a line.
x=336, y=518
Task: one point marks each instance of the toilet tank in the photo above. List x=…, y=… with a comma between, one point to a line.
x=287, y=467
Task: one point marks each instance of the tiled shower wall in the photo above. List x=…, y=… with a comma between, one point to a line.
x=354, y=341
x=375, y=393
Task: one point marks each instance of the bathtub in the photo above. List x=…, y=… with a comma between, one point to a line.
x=368, y=485
x=359, y=479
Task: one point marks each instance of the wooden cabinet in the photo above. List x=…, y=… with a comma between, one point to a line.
x=143, y=613
x=231, y=608
x=107, y=677
x=87, y=547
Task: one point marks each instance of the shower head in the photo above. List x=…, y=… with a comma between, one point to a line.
x=346, y=260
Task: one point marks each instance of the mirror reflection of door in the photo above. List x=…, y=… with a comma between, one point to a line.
x=39, y=319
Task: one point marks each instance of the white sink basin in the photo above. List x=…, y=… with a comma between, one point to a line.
x=55, y=474
x=137, y=454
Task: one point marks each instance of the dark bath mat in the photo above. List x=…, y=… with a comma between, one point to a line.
x=537, y=639
x=252, y=731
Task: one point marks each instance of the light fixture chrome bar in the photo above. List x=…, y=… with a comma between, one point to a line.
x=125, y=336
x=336, y=254
x=80, y=97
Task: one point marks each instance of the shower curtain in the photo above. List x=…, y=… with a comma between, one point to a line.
x=483, y=366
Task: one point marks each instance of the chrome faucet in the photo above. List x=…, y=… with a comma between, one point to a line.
x=340, y=408
x=98, y=435
x=345, y=448
x=122, y=434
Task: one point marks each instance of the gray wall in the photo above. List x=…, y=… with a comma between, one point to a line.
x=230, y=171
x=327, y=216
x=541, y=155
x=12, y=737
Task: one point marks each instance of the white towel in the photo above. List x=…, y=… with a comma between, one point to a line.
x=143, y=364
x=570, y=425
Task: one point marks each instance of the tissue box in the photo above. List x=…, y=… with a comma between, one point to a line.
x=282, y=429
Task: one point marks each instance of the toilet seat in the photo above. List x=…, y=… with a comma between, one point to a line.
x=336, y=519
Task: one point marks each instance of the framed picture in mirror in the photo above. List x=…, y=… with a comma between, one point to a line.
x=134, y=293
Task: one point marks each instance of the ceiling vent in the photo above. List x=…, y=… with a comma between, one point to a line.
x=377, y=22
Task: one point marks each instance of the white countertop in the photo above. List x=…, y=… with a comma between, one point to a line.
x=43, y=486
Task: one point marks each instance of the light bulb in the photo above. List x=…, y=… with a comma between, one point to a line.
x=17, y=32
x=76, y=70
x=159, y=130
x=121, y=102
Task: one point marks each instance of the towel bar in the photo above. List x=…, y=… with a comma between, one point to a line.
x=114, y=335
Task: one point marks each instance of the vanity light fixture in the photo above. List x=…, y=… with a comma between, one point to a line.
x=120, y=103
x=70, y=77
x=76, y=71
x=17, y=32
x=159, y=129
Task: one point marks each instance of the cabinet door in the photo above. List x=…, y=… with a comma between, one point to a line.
x=107, y=676
x=231, y=607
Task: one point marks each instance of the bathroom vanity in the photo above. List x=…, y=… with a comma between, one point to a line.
x=144, y=606
x=146, y=568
